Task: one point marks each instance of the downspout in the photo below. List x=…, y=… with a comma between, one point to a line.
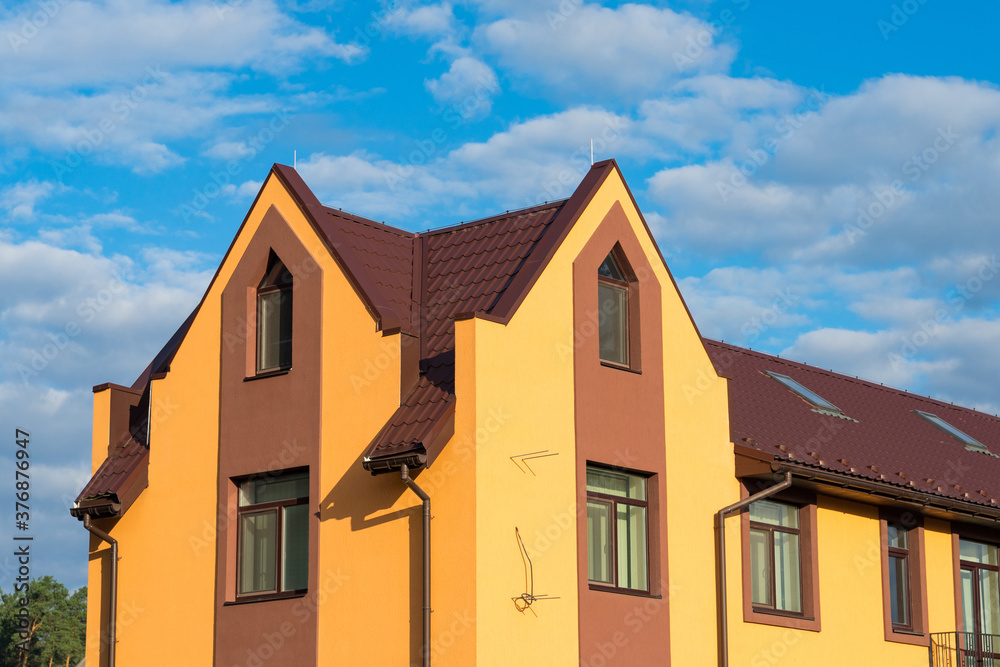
x=721, y=557
x=426, y=648
x=113, y=593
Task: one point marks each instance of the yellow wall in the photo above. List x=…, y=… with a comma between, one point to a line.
x=850, y=580
x=167, y=538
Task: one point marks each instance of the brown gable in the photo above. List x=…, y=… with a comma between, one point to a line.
x=882, y=440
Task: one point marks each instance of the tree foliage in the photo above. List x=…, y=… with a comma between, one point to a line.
x=54, y=632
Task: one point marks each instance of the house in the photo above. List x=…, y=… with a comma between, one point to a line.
x=506, y=442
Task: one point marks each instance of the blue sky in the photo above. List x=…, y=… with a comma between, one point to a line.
x=820, y=176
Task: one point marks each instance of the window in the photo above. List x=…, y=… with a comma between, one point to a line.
x=980, y=577
x=904, y=595
x=819, y=403
x=273, y=538
x=780, y=559
x=775, y=561
x=899, y=577
x=274, y=318
x=617, y=530
x=970, y=443
x=616, y=306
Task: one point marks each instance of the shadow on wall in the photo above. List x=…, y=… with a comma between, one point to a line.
x=359, y=495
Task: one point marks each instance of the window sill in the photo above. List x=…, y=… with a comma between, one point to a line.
x=624, y=591
x=911, y=637
x=619, y=367
x=266, y=598
x=268, y=374
x=782, y=619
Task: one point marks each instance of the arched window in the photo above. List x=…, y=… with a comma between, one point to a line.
x=614, y=298
x=274, y=318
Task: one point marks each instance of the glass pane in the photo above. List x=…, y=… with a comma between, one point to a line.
x=274, y=333
x=632, y=547
x=760, y=568
x=897, y=536
x=598, y=541
x=989, y=598
x=295, y=548
x=616, y=483
x=610, y=268
x=976, y=552
x=776, y=514
x=257, y=560
x=787, y=578
x=968, y=603
x=899, y=592
x=612, y=323
x=281, y=487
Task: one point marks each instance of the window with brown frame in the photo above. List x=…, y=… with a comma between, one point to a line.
x=273, y=536
x=899, y=577
x=274, y=318
x=775, y=557
x=617, y=530
x=780, y=559
x=904, y=597
x=617, y=310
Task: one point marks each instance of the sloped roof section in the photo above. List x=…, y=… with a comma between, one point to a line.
x=880, y=438
x=466, y=269
x=117, y=483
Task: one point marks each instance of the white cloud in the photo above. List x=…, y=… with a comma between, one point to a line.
x=161, y=35
x=423, y=21
x=468, y=87
x=18, y=200
x=602, y=53
x=228, y=150
x=899, y=171
x=541, y=159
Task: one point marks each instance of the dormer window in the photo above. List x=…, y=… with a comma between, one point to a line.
x=274, y=318
x=617, y=302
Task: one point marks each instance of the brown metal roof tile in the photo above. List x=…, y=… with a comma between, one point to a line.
x=885, y=436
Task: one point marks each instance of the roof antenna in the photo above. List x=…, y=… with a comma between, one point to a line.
x=295, y=159
x=591, y=152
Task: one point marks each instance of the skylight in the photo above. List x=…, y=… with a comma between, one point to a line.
x=970, y=443
x=819, y=403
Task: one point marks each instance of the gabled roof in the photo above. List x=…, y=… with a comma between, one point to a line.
x=880, y=438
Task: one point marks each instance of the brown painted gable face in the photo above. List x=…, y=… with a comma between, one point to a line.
x=620, y=423
x=267, y=424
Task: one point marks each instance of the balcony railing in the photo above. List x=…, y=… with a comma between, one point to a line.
x=964, y=649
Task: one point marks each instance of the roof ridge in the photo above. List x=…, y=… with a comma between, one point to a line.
x=367, y=222
x=869, y=383
x=511, y=213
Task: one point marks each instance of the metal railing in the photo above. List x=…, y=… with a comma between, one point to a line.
x=964, y=649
